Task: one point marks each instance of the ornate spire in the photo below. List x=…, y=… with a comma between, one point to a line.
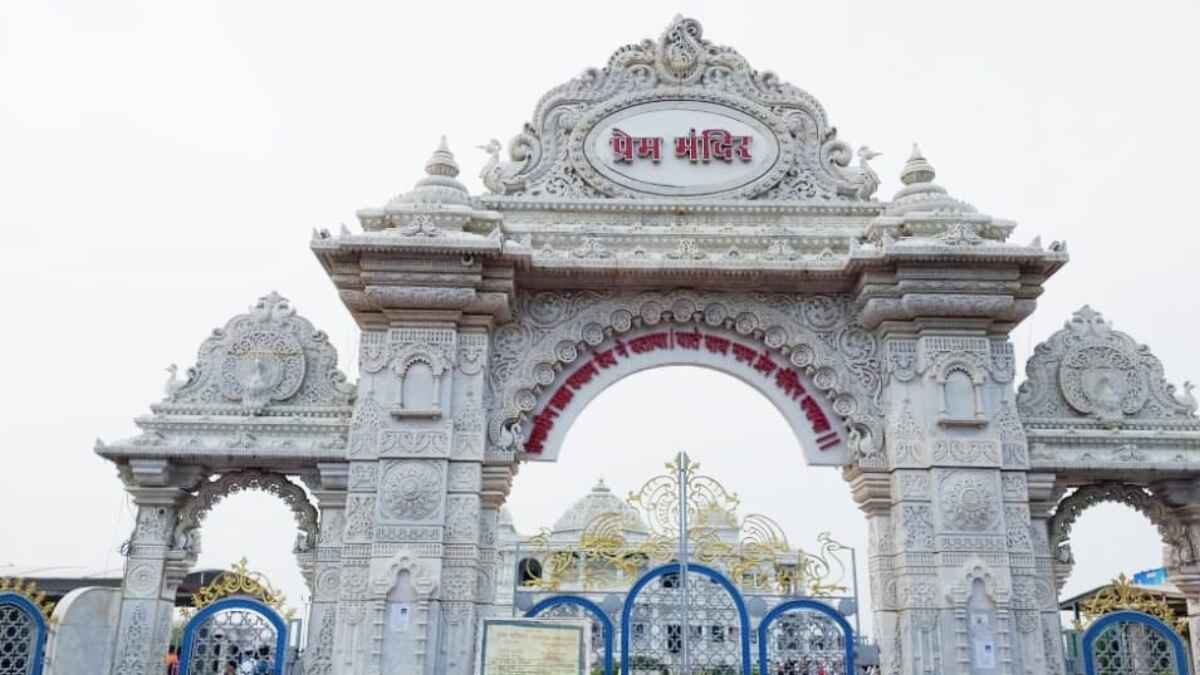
x=920, y=193
x=442, y=163
x=440, y=185
x=917, y=169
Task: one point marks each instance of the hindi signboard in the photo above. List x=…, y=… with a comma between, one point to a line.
x=534, y=647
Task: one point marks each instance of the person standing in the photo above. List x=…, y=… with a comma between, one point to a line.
x=172, y=661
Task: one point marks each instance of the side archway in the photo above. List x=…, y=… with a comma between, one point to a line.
x=210, y=493
x=1173, y=531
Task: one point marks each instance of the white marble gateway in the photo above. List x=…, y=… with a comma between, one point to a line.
x=708, y=212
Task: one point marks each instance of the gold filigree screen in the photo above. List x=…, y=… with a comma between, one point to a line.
x=752, y=551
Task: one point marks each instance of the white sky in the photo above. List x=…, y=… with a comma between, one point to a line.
x=162, y=164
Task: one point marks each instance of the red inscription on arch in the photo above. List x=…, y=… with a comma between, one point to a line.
x=786, y=379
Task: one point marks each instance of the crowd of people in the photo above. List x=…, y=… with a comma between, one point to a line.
x=251, y=663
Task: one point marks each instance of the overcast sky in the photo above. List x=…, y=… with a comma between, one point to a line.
x=163, y=163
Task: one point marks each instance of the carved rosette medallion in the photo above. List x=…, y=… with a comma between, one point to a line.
x=969, y=503
x=411, y=491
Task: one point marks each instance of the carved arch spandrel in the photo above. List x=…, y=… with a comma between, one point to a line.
x=210, y=493
x=816, y=334
x=1173, y=531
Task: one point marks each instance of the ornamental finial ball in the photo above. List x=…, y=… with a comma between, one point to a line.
x=917, y=169
x=442, y=163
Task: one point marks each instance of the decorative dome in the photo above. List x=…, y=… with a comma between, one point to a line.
x=599, y=501
x=506, y=518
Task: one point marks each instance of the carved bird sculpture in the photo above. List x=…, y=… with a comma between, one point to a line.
x=490, y=173
x=174, y=383
x=870, y=178
x=1187, y=399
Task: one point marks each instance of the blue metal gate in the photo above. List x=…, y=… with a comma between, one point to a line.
x=805, y=636
x=798, y=636
x=22, y=636
x=239, y=631
x=1132, y=643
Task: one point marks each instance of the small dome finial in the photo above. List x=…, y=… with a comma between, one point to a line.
x=917, y=169
x=441, y=162
x=600, y=486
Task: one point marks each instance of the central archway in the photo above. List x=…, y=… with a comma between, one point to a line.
x=806, y=354
x=807, y=410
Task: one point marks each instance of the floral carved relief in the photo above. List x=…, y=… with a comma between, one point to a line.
x=969, y=502
x=411, y=490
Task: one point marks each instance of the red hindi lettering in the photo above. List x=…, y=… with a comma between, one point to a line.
x=542, y=424
x=816, y=416
x=716, y=345
x=828, y=441
x=622, y=146
x=561, y=398
x=606, y=359
x=582, y=376
x=718, y=144
x=649, y=147
x=744, y=354
x=619, y=348
x=690, y=147
x=688, y=340
x=648, y=343
x=788, y=380
x=765, y=365
x=741, y=147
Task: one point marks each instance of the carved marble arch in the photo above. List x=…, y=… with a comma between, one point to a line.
x=211, y=492
x=548, y=161
x=1173, y=531
x=815, y=335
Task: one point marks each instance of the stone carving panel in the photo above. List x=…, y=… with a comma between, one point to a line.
x=969, y=501
x=462, y=519
x=464, y=477
x=364, y=476
x=918, y=527
x=360, y=515
x=415, y=443
x=411, y=491
x=364, y=428
x=966, y=452
x=907, y=439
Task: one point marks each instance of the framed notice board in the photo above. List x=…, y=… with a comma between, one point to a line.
x=534, y=647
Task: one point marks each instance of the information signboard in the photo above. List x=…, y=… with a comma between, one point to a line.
x=534, y=647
